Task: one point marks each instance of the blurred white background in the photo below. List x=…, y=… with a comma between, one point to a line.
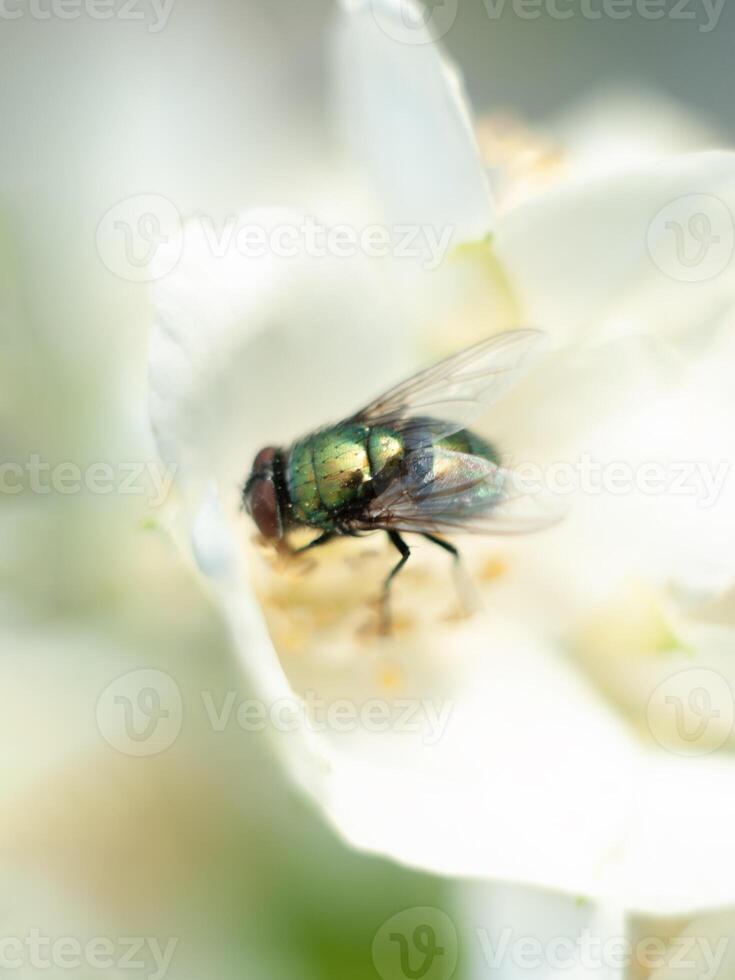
x=219, y=107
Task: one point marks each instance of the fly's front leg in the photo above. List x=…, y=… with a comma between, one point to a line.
x=316, y=543
x=289, y=553
x=401, y=546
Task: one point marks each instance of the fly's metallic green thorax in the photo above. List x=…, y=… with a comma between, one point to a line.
x=333, y=472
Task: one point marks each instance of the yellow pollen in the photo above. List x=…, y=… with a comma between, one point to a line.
x=491, y=569
x=390, y=678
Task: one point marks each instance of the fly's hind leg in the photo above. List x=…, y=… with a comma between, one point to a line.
x=445, y=545
x=469, y=600
x=401, y=546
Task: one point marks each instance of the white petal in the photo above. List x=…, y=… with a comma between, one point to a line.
x=510, y=789
x=534, y=781
x=673, y=796
x=649, y=251
x=620, y=129
x=406, y=117
x=515, y=932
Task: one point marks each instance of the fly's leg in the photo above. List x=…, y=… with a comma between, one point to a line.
x=304, y=565
x=445, y=545
x=467, y=594
x=401, y=546
x=322, y=539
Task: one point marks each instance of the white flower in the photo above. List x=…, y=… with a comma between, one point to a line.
x=603, y=132
x=537, y=757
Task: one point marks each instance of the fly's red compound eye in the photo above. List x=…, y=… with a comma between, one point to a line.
x=263, y=507
x=264, y=459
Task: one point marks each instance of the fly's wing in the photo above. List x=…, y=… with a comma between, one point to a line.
x=455, y=391
x=448, y=492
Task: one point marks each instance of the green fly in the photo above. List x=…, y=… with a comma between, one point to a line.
x=406, y=463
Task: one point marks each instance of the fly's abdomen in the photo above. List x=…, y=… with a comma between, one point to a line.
x=469, y=443
x=457, y=465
